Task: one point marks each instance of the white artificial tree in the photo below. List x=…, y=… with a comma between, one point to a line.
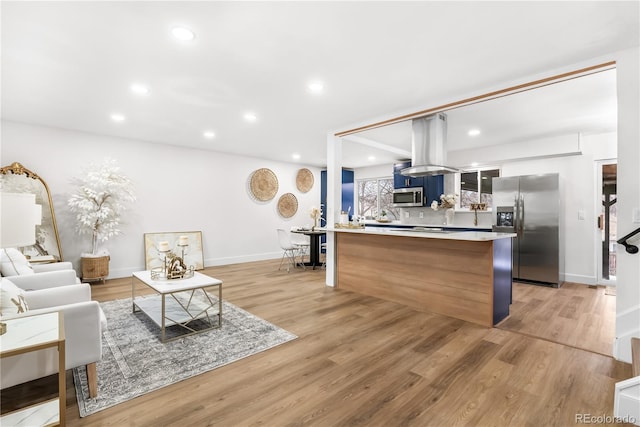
x=102, y=195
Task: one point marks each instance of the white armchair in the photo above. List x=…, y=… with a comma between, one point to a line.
x=14, y=264
x=83, y=324
x=50, y=279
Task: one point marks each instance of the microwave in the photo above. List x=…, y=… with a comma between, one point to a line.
x=407, y=197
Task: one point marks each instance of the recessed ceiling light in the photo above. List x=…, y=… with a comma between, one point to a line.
x=371, y=158
x=250, y=117
x=117, y=117
x=295, y=156
x=474, y=164
x=182, y=33
x=140, y=89
x=209, y=134
x=316, y=87
x=474, y=132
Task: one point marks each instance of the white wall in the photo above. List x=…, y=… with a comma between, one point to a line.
x=369, y=172
x=628, y=265
x=177, y=189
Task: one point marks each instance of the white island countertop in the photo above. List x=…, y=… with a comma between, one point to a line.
x=479, y=236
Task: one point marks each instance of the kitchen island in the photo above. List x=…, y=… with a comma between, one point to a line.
x=465, y=274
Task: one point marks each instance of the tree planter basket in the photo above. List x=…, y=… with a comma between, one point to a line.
x=95, y=268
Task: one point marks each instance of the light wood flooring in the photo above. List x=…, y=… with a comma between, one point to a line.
x=361, y=361
x=574, y=314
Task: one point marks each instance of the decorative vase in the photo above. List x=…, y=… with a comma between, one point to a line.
x=448, y=216
x=315, y=224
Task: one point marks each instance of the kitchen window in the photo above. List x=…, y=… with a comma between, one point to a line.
x=374, y=196
x=475, y=187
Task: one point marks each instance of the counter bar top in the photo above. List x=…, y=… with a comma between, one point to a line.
x=471, y=236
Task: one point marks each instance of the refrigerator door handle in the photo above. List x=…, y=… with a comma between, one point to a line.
x=516, y=214
x=521, y=220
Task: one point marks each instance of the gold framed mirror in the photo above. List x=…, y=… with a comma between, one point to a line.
x=15, y=178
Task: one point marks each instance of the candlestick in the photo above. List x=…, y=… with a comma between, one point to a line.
x=183, y=240
x=163, y=246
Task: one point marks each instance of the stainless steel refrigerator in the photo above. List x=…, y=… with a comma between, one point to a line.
x=530, y=207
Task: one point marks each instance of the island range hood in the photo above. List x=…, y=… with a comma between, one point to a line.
x=429, y=147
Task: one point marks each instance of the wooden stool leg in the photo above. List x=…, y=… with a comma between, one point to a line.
x=92, y=379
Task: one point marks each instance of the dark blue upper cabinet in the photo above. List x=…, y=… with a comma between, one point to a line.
x=401, y=181
x=433, y=187
x=348, y=191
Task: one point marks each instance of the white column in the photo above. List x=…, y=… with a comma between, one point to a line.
x=334, y=198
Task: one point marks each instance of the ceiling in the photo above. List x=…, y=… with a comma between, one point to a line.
x=70, y=65
x=580, y=105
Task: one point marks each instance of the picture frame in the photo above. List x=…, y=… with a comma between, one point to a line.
x=192, y=254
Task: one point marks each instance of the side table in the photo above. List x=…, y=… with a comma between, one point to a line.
x=33, y=333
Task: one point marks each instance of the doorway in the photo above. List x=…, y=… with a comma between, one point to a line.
x=607, y=231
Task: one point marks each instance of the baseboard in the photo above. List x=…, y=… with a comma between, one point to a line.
x=628, y=325
x=578, y=278
x=209, y=262
x=626, y=402
x=213, y=262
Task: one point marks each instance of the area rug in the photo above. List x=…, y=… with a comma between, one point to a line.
x=135, y=361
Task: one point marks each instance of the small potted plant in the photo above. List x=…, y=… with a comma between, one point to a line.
x=314, y=213
x=102, y=195
x=383, y=217
x=447, y=202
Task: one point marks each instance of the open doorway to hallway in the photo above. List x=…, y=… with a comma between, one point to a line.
x=607, y=232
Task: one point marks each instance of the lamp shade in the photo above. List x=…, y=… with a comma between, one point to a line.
x=19, y=216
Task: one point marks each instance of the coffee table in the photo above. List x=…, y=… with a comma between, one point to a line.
x=179, y=302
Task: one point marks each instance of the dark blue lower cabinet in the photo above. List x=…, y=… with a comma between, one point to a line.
x=502, y=284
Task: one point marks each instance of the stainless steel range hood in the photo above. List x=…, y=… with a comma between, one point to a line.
x=429, y=147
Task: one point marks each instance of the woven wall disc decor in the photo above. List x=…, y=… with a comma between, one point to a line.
x=264, y=184
x=304, y=180
x=287, y=205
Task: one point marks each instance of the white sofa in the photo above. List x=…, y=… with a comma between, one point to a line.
x=83, y=324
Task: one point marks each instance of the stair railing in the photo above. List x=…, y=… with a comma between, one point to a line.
x=632, y=249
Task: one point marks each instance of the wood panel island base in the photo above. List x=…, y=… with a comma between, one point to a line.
x=465, y=275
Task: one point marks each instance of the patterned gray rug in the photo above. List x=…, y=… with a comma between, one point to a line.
x=135, y=362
